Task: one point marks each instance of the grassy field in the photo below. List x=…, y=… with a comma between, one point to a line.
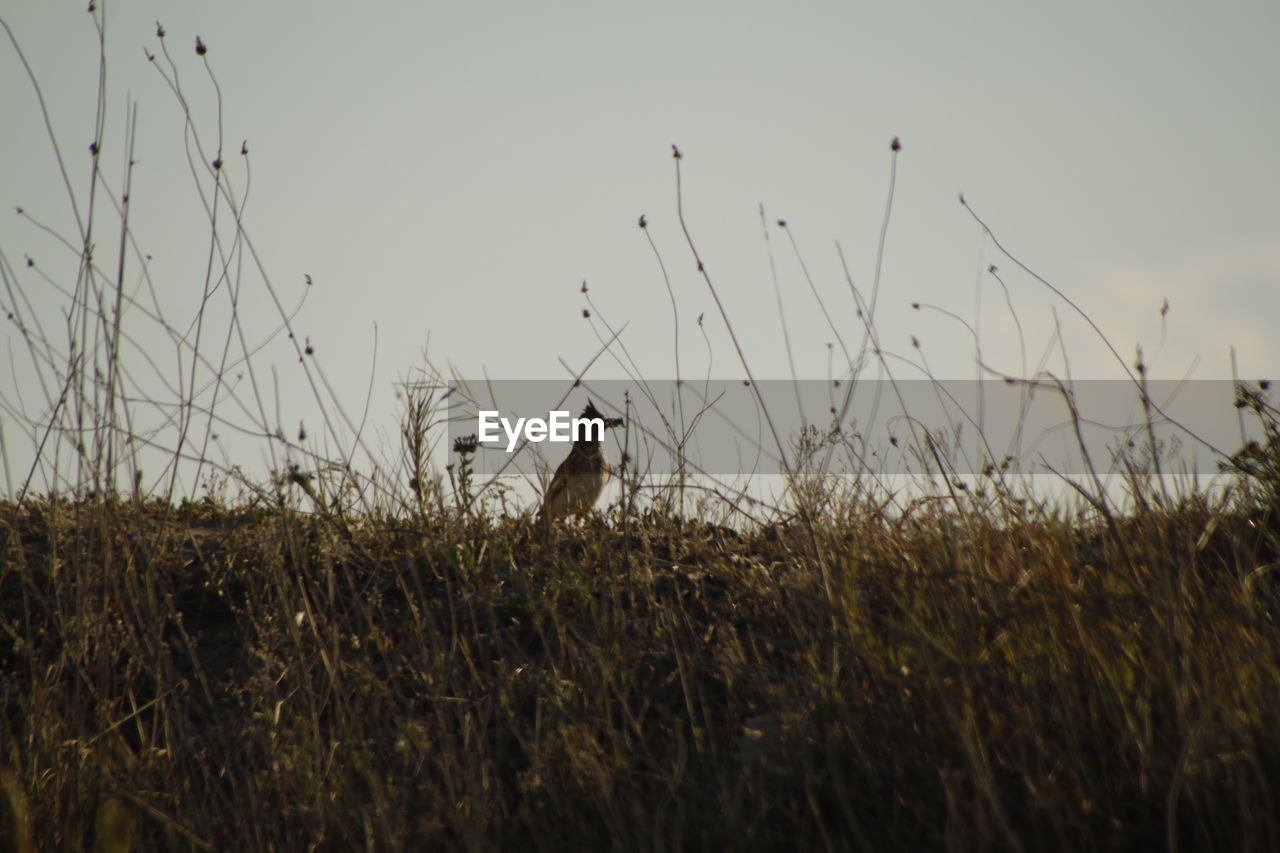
x=1009, y=678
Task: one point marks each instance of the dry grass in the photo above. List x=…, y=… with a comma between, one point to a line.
x=1018, y=680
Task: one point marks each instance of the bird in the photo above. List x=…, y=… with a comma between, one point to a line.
x=582, y=475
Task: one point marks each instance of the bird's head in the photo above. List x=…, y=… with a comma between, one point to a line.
x=592, y=412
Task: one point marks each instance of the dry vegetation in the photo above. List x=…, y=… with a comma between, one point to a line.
x=404, y=665
x=1010, y=679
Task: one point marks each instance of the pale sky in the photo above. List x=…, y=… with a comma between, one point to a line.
x=455, y=171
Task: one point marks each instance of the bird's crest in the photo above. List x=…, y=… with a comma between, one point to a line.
x=592, y=412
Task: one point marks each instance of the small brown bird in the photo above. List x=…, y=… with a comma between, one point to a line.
x=581, y=477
